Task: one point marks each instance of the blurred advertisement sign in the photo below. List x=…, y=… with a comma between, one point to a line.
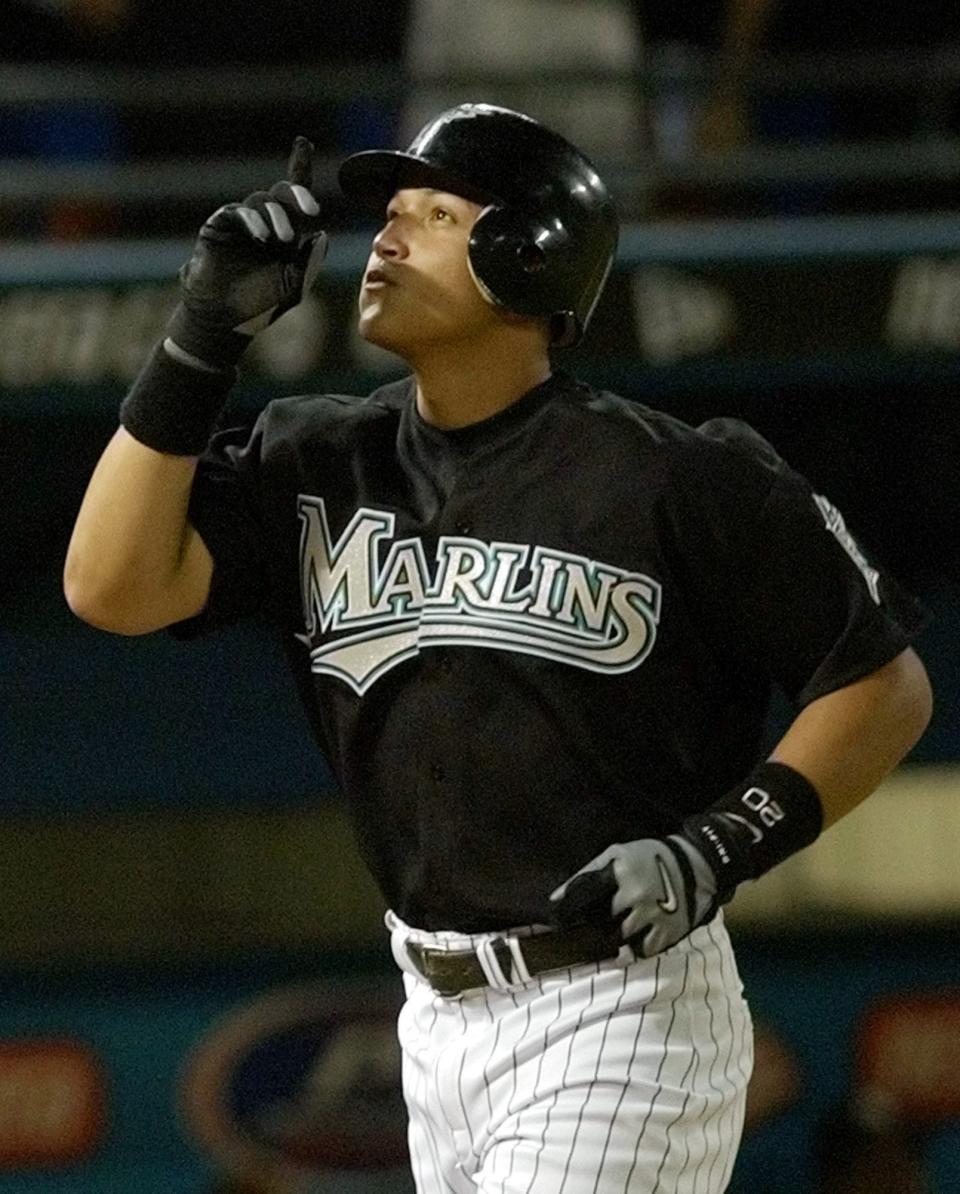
x=678, y=316
x=299, y=1081
x=732, y=313
x=908, y=1059
x=775, y=1083
x=83, y=335
x=925, y=309
x=52, y=1103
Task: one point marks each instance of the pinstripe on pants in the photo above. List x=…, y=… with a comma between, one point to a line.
x=606, y=1077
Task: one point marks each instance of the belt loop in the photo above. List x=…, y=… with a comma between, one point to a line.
x=490, y=963
x=414, y=964
x=403, y=954
x=520, y=971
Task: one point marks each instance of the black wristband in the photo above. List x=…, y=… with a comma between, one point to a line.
x=173, y=407
x=774, y=813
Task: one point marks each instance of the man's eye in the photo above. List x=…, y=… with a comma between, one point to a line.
x=441, y=213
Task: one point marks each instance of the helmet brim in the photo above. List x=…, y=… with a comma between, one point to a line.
x=374, y=177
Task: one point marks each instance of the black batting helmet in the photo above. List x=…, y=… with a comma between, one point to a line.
x=545, y=243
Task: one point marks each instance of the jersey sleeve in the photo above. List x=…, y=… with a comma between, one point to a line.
x=226, y=511
x=781, y=584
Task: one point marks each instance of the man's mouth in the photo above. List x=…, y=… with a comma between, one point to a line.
x=376, y=278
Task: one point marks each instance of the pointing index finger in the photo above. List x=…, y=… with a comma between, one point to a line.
x=300, y=165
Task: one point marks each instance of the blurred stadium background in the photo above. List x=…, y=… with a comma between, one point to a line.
x=196, y=990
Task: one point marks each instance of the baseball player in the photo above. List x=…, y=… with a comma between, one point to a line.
x=536, y=627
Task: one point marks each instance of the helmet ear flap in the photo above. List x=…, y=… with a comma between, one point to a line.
x=514, y=258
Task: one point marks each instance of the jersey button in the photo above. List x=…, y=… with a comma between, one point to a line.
x=437, y=772
x=463, y=527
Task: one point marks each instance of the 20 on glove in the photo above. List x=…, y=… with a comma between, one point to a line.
x=663, y=888
x=252, y=261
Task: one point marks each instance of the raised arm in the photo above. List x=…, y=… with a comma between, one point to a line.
x=135, y=564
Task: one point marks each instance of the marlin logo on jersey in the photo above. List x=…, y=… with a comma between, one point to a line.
x=571, y=609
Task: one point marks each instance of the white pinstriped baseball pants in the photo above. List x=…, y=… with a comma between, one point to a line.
x=620, y=1076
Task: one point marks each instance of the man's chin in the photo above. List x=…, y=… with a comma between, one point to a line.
x=375, y=332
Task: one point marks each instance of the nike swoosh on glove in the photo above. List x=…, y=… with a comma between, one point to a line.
x=660, y=889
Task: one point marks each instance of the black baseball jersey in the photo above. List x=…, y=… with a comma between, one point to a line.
x=529, y=638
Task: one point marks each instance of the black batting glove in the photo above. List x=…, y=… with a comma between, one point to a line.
x=252, y=262
x=660, y=889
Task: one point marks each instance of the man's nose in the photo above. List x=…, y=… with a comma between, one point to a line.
x=389, y=244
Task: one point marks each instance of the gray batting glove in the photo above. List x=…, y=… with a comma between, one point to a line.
x=661, y=889
x=251, y=262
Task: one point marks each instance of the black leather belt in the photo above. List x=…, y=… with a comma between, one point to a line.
x=451, y=972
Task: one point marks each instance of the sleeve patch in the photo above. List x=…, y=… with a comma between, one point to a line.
x=838, y=528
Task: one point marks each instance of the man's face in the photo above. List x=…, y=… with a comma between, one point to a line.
x=417, y=290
